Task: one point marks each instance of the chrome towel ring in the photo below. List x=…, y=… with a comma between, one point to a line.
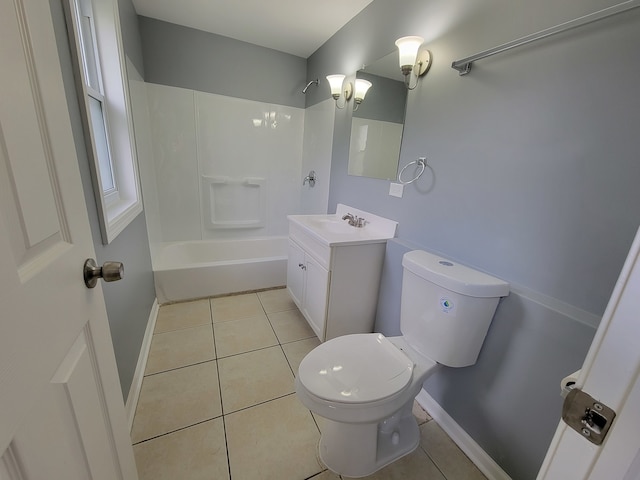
x=422, y=162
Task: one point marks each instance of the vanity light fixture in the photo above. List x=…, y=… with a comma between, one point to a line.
x=412, y=59
x=362, y=86
x=335, y=83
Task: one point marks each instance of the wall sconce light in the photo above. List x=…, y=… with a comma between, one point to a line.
x=335, y=83
x=412, y=59
x=362, y=86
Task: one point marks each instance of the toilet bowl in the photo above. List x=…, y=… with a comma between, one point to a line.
x=364, y=385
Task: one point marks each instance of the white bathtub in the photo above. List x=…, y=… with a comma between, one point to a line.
x=185, y=270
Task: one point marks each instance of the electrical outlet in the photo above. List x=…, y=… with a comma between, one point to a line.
x=395, y=189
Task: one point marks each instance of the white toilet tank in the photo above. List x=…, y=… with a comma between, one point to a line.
x=447, y=308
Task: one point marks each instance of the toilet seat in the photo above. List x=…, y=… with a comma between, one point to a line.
x=356, y=369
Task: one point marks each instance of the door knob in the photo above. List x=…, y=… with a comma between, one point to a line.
x=109, y=272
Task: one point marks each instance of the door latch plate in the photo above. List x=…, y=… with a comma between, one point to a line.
x=587, y=416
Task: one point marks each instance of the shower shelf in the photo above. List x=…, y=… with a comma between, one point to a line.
x=230, y=202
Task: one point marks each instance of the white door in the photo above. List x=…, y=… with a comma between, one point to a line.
x=61, y=408
x=610, y=374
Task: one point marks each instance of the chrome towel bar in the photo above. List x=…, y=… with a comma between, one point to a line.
x=463, y=66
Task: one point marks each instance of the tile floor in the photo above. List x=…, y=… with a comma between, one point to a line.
x=218, y=399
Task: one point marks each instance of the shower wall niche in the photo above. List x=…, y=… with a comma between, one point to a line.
x=219, y=167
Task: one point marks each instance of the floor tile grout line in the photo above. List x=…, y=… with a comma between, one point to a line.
x=249, y=351
x=268, y=319
x=220, y=322
x=315, y=475
x=180, y=328
x=224, y=423
x=189, y=327
x=226, y=445
x=315, y=421
x=179, y=368
x=260, y=403
x=280, y=342
x=300, y=339
x=435, y=464
x=257, y=349
x=288, y=363
x=177, y=430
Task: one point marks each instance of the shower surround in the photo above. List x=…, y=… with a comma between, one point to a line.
x=216, y=168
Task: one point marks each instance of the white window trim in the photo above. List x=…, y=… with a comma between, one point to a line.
x=115, y=211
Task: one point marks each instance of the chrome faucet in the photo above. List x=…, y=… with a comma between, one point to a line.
x=354, y=220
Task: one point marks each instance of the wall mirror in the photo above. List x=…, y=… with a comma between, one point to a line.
x=378, y=122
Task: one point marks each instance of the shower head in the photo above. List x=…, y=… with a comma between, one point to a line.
x=304, y=90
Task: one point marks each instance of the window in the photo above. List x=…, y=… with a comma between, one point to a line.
x=94, y=31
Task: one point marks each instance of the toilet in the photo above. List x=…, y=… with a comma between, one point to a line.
x=363, y=385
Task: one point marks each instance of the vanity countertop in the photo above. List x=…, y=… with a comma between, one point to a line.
x=331, y=230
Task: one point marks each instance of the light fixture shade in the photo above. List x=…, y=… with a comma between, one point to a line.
x=361, y=89
x=408, y=48
x=335, y=83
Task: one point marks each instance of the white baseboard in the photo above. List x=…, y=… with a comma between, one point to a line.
x=136, y=382
x=476, y=454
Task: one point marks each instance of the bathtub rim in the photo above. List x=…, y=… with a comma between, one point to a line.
x=159, y=264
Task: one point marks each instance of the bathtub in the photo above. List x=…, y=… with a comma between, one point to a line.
x=196, y=269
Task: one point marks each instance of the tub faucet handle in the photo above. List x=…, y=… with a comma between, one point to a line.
x=311, y=178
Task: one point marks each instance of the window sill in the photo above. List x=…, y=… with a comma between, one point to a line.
x=120, y=214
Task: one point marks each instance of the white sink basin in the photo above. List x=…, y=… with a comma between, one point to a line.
x=332, y=230
x=331, y=224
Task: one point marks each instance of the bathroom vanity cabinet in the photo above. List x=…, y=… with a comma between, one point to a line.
x=333, y=282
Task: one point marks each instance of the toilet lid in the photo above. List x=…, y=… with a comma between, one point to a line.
x=356, y=368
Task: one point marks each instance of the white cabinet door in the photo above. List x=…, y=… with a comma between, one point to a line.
x=315, y=296
x=62, y=414
x=295, y=273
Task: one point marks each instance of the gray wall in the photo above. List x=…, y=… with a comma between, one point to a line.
x=188, y=58
x=533, y=174
x=131, y=34
x=128, y=301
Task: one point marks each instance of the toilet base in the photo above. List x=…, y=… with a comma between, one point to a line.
x=360, y=449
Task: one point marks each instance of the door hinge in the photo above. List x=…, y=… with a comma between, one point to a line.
x=587, y=416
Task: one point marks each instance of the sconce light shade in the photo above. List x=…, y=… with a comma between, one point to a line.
x=412, y=59
x=335, y=84
x=362, y=86
x=408, y=49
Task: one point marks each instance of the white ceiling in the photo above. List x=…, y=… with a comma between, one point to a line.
x=298, y=27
